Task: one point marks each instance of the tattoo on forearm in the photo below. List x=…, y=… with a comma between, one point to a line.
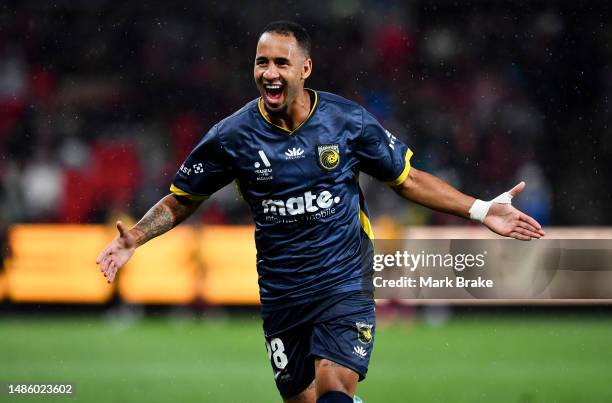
x=155, y=222
x=165, y=215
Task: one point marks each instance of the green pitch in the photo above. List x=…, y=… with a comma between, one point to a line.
x=473, y=359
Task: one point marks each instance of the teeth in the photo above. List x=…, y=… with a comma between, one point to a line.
x=273, y=87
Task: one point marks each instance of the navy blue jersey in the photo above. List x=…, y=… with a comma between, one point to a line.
x=312, y=231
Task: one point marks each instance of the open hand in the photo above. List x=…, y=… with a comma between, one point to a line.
x=504, y=219
x=117, y=253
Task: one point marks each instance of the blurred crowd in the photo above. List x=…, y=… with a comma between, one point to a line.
x=101, y=101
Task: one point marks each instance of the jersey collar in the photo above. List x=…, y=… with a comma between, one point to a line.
x=312, y=109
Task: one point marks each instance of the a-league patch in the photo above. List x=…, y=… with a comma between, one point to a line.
x=329, y=156
x=364, y=332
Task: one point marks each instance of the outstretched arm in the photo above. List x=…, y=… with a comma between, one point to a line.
x=162, y=217
x=503, y=219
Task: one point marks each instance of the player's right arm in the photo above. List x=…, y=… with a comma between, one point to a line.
x=207, y=169
x=162, y=217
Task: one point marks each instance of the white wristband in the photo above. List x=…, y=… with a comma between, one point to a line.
x=480, y=208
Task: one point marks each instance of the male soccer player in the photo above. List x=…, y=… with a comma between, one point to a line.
x=296, y=155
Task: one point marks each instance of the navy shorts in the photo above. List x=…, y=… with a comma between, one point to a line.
x=339, y=328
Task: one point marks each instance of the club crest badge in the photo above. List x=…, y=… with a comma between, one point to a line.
x=364, y=332
x=329, y=156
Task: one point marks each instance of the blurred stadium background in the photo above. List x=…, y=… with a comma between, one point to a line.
x=101, y=101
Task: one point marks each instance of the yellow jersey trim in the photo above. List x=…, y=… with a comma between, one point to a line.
x=402, y=177
x=312, y=109
x=181, y=192
x=364, y=220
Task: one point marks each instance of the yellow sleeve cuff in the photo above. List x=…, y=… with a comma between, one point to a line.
x=402, y=177
x=180, y=192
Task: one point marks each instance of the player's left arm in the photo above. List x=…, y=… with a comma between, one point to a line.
x=498, y=215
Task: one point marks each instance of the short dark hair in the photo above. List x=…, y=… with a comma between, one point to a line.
x=291, y=28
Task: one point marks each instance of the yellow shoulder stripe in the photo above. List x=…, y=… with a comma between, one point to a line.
x=180, y=192
x=402, y=177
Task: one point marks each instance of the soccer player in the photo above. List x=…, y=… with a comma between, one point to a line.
x=296, y=155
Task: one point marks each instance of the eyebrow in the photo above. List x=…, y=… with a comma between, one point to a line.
x=276, y=59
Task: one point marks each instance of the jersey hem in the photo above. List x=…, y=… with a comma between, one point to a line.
x=267, y=307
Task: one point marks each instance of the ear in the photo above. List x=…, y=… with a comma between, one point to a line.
x=306, y=68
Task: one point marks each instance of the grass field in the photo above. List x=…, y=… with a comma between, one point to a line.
x=173, y=359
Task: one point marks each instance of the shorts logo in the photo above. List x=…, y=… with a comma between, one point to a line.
x=360, y=351
x=329, y=156
x=364, y=332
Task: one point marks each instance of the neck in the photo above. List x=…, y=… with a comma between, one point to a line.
x=295, y=115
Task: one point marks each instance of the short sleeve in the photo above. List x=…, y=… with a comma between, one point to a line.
x=380, y=153
x=207, y=169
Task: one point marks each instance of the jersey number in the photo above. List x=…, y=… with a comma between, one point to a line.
x=276, y=352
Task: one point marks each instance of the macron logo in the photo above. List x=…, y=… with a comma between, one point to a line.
x=360, y=351
x=294, y=153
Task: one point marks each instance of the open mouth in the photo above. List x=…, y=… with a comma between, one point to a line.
x=274, y=93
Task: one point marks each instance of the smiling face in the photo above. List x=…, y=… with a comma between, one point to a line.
x=281, y=67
